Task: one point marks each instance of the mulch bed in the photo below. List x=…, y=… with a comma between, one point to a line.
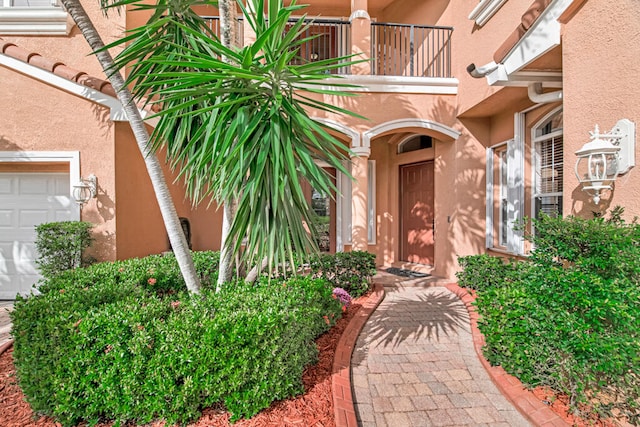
x=312, y=409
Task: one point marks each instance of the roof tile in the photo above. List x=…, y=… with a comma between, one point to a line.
x=55, y=67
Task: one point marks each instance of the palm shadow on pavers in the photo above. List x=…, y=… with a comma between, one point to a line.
x=415, y=358
x=432, y=315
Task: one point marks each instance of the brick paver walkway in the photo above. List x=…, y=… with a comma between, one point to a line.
x=415, y=365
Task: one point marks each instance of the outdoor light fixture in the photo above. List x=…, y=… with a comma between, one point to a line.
x=607, y=155
x=85, y=190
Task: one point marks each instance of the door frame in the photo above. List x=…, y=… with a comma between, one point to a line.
x=401, y=255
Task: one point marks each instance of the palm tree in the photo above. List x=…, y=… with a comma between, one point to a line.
x=234, y=120
x=227, y=10
x=169, y=215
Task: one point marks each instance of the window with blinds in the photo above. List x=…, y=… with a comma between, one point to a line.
x=549, y=167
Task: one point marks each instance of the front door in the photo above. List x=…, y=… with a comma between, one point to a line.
x=417, y=213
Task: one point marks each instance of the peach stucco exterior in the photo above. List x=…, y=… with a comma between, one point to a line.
x=473, y=121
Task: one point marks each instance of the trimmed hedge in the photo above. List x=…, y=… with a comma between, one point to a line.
x=61, y=246
x=569, y=316
x=124, y=341
x=351, y=271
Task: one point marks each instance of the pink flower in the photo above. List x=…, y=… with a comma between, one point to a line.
x=151, y=281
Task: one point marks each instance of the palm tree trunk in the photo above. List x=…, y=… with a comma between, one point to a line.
x=167, y=208
x=227, y=37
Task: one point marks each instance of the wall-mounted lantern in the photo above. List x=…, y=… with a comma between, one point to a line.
x=604, y=157
x=85, y=190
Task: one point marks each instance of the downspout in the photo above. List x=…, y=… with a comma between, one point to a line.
x=536, y=95
x=479, y=72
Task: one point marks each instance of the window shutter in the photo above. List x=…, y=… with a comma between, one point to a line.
x=515, y=194
x=490, y=201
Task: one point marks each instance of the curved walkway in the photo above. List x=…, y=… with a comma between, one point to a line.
x=414, y=363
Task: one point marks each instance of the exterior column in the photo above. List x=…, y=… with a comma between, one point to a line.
x=360, y=36
x=360, y=198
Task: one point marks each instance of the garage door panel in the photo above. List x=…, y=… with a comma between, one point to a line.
x=7, y=218
x=27, y=200
x=29, y=218
x=6, y=185
x=62, y=215
x=35, y=184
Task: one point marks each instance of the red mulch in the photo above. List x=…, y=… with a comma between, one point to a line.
x=559, y=403
x=312, y=409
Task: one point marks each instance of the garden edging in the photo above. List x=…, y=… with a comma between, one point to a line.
x=6, y=346
x=524, y=400
x=345, y=415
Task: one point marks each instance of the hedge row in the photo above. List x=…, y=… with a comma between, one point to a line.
x=569, y=316
x=124, y=341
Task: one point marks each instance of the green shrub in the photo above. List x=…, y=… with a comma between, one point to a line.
x=105, y=343
x=481, y=272
x=61, y=246
x=569, y=318
x=351, y=271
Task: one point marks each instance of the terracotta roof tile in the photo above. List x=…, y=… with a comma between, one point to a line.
x=57, y=68
x=44, y=63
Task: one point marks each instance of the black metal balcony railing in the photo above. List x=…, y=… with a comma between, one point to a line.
x=213, y=22
x=332, y=39
x=396, y=49
x=410, y=50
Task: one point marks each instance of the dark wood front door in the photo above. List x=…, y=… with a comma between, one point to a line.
x=417, y=213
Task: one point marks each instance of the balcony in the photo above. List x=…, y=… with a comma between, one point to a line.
x=397, y=50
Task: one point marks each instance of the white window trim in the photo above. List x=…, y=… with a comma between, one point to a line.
x=515, y=190
x=490, y=153
x=485, y=10
x=71, y=157
x=49, y=21
x=534, y=154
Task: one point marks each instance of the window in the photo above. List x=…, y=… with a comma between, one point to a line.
x=498, y=204
x=548, y=191
x=414, y=143
x=30, y=17
x=505, y=192
x=504, y=200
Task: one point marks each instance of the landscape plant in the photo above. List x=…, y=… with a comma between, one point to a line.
x=351, y=271
x=235, y=120
x=61, y=246
x=569, y=318
x=139, y=129
x=124, y=341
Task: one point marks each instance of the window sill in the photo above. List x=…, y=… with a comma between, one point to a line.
x=503, y=251
x=49, y=21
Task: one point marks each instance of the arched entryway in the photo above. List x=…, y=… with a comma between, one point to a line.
x=409, y=179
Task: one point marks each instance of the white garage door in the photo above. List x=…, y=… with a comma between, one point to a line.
x=26, y=200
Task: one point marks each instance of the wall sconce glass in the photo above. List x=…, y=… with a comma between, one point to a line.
x=85, y=190
x=607, y=155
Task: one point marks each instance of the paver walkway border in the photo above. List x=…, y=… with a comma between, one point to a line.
x=524, y=400
x=344, y=410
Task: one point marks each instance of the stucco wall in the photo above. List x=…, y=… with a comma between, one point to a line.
x=73, y=49
x=39, y=117
x=601, y=48
x=141, y=228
